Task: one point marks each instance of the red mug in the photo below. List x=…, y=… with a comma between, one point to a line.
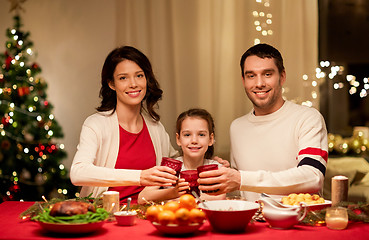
x=172, y=163
x=208, y=167
x=191, y=177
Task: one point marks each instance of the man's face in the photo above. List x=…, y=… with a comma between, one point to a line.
x=263, y=84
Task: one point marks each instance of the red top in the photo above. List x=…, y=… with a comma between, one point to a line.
x=136, y=151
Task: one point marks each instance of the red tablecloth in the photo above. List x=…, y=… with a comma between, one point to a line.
x=12, y=227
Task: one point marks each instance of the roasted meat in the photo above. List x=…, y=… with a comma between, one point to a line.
x=69, y=208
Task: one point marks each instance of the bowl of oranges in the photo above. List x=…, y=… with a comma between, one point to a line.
x=176, y=217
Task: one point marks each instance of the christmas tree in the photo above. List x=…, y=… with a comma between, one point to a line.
x=30, y=159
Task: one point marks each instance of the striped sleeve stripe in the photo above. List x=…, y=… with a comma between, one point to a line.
x=315, y=151
x=314, y=163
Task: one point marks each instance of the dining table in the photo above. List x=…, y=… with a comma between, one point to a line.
x=12, y=226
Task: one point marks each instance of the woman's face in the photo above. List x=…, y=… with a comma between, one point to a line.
x=194, y=137
x=129, y=83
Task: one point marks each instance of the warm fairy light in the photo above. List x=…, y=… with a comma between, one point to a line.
x=15, y=37
x=314, y=94
x=21, y=64
x=51, y=116
x=307, y=103
x=256, y=23
x=50, y=133
x=26, y=150
x=17, y=57
x=352, y=90
x=363, y=93
x=305, y=77
x=35, y=99
x=39, y=118
x=61, y=167
x=29, y=51
x=13, y=31
x=65, y=191
x=61, y=146
x=256, y=41
x=20, y=42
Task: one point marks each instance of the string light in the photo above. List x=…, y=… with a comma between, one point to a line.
x=263, y=20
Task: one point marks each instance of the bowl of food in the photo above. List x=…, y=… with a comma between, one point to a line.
x=176, y=217
x=313, y=202
x=126, y=218
x=229, y=215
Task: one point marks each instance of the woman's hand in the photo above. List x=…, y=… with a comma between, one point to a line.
x=220, y=160
x=158, y=176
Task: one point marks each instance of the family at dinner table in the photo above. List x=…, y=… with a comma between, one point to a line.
x=278, y=148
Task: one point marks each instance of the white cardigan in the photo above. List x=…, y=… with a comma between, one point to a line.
x=97, y=152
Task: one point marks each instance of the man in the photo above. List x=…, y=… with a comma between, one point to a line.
x=279, y=147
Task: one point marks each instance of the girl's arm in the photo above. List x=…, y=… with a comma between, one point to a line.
x=154, y=193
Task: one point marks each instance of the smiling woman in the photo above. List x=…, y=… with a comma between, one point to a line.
x=121, y=144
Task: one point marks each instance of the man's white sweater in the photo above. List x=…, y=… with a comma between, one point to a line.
x=280, y=153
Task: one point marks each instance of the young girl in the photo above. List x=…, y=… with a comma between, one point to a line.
x=195, y=136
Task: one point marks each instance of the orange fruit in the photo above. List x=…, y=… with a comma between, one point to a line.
x=182, y=216
x=187, y=201
x=197, y=216
x=152, y=212
x=166, y=216
x=171, y=206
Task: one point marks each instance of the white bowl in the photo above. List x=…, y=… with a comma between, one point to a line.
x=229, y=215
x=126, y=218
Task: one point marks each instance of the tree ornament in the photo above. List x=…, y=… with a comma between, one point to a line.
x=39, y=179
x=5, y=145
x=23, y=91
x=25, y=175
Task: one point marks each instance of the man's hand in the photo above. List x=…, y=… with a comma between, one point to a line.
x=158, y=176
x=220, y=160
x=220, y=181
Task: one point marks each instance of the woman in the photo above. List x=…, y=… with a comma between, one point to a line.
x=125, y=136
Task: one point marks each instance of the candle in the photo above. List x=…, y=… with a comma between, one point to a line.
x=339, y=192
x=111, y=201
x=336, y=218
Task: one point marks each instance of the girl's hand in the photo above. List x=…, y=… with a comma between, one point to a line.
x=220, y=160
x=158, y=176
x=182, y=186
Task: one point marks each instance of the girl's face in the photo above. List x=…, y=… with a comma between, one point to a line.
x=129, y=83
x=194, y=137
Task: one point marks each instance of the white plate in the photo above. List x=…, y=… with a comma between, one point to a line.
x=72, y=228
x=318, y=206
